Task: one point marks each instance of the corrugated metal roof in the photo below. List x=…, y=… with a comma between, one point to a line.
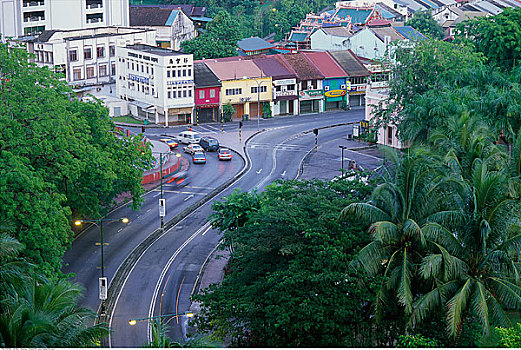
x=349, y=63
x=254, y=44
x=410, y=33
x=488, y=7
x=149, y=16
x=270, y=66
x=381, y=33
x=204, y=77
x=304, y=69
x=234, y=70
x=325, y=64
x=298, y=37
x=357, y=15
x=172, y=17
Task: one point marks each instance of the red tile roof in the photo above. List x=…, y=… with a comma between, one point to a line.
x=301, y=65
x=234, y=69
x=326, y=64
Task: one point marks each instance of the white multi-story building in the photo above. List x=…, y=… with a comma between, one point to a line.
x=86, y=56
x=158, y=81
x=19, y=18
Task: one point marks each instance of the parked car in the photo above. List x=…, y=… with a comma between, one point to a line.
x=198, y=157
x=224, y=154
x=188, y=137
x=171, y=143
x=209, y=144
x=192, y=148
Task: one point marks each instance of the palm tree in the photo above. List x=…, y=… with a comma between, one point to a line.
x=397, y=211
x=37, y=313
x=471, y=269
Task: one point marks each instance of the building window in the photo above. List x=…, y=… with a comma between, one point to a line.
x=151, y=70
x=73, y=55
x=100, y=51
x=169, y=94
x=168, y=74
x=87, y=53
x=76, y=73
x=189, y=72
x=90, y=72
x=112, y=50
x=212, y=93
x=173, y=73
x=291, y=87
x=147, y=69
x=113, y=69
x=184, y=93
x=103, y=70
x=142, y=69
x=174, y=93
x=201, y=94
x=132, y=65
x=184, y=72
x=254, y=89
x=190, y=93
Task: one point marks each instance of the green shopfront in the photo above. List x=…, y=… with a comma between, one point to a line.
x=335, y=94
x=310, y=101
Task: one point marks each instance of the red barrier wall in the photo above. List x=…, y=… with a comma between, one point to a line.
x=157, y=175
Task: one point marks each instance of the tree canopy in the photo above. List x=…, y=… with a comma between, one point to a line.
x=426, y=24
x=58, y=157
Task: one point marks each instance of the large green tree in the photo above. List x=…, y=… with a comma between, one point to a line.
x=497, y=37
x=426, y=24
x=287, y=283
x=58, y=157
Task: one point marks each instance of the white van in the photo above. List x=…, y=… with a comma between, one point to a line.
x=189, y=137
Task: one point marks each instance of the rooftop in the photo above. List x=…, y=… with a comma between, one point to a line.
x=301, y=65
x=233, y=71
x=325, y=64
x=204, y=77
x=254, y=44
x=270, y=66
x=159, y=51
x=80, y=34
x=350, y=63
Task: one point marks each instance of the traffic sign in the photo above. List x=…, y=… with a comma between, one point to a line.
x=103, y=288
x=162, y=207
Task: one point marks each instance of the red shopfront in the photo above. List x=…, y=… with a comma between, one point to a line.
x=207, y=104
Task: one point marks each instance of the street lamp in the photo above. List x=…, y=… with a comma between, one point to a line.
x=102, y=281
x=342, y=168
x=133, y=322
x=259, y=83
x=178, y=155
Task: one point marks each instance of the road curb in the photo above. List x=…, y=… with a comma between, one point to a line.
x=128, y=264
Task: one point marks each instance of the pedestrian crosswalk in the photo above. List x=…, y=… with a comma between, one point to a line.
x=283, y=147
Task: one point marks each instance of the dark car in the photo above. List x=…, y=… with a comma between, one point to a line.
x=209, y=144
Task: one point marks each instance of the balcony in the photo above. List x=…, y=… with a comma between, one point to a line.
x=33, y=19
x=94, y=6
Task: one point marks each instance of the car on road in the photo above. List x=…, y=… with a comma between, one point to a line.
x=192, y=148
x=209, y=144
x=188, y=137
x=171, y=143
x=224, y=154
x=198, y=157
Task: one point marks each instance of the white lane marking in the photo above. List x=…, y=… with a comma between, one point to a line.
x=120, y=229
x=149, y=210
x=284, y=173
x=208, y=229
x=259, y=171
x=157, y=194
x=165, y=270
x=187, y=198
x=364, y=155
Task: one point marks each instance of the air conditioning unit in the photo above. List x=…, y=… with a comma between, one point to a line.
x=326, y=88
x=343, y=86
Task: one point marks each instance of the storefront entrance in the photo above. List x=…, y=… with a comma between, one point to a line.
x=309, y=106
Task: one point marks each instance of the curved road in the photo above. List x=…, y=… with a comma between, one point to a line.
x=163, y=278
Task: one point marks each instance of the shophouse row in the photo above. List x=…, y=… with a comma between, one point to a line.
x=168, y=87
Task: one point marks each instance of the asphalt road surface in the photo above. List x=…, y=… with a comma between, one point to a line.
x=163, y=278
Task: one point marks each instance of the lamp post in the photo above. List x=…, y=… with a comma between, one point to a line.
x=342, y=166
x=133, y=322
x=259, y=83
x=102, y=281
x=161, y=200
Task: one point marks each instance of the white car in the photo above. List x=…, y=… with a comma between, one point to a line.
x=188, y=137
x=192, y=148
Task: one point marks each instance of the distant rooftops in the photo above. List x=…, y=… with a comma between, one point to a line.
x=154, y=50
x=80, y=34
x=254, y=44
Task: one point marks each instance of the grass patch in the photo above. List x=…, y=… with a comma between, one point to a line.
x=126, y=119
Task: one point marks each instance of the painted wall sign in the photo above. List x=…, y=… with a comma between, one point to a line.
x=310, y=94
x=179, y=82
x=285, y=82
x=138, y=78
x=336, y=93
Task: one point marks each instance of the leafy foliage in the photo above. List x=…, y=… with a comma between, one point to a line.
x=416, y=341
x=58, y=157
x=509, y=337
x=426, y=24
x=287, y=281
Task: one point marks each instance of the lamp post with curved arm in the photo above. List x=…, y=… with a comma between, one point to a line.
x=259, y=83
x=99, y=223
